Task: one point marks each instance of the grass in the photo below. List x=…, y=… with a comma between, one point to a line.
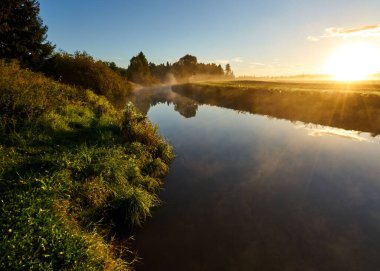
x=362, y=87
x=354, y=106
x=73, y=170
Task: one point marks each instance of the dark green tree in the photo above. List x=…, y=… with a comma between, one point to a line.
x=22, y=33
x=160, y=72
x=121, y=71
x=188, y=60
x=185, y=67
x=138, y=70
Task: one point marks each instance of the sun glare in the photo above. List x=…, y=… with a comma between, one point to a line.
x=355, y=61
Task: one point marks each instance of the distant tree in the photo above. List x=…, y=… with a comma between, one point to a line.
x=185, y=67
x=117, y=69
x=112, y=65
x=22, y=33
x=220, y=69
x=228, y=70
x=188, y=60
x=138, y=70
x=160, y=72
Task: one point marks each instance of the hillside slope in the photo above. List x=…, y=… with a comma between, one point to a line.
x=72, y=170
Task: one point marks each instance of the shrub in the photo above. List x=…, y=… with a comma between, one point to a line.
x=82, y=70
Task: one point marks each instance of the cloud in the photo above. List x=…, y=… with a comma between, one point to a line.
x=364, y=31
x=237, y=59
x=220, y=61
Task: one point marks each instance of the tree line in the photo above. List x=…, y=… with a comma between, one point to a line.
x=186, y=68
x=23, y=38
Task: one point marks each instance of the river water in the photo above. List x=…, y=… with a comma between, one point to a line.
x=253, y=192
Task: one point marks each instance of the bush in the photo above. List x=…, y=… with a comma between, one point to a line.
x=82, y=70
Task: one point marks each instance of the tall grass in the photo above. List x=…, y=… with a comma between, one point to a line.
x=72, y=170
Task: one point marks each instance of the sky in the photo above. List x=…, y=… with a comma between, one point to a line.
x=271, y=37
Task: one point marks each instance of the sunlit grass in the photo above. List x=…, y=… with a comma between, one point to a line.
x=363, y=87
x=72, y=169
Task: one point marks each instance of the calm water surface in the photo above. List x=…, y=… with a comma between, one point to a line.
x=250, y=192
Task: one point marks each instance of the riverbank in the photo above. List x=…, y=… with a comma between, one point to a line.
x=73, y=170
x=354, y=106
x=362, y=87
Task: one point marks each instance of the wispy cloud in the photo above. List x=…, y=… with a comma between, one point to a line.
x=220, y=61
x=237, y=59
x=364, y=31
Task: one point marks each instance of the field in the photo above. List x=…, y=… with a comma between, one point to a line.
x=364, y=87
x=351, y=106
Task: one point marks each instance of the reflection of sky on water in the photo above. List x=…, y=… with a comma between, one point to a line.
x=247, y=192
x=318, y=130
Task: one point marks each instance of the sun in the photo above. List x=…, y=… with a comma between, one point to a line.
x=354, y=61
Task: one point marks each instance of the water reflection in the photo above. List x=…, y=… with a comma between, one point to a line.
x=328, y=131
x=345, y=110
x=249, y=192
x=146, y=97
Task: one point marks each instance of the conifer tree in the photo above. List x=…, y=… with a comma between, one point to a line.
x=22, y=33
x=139, y=70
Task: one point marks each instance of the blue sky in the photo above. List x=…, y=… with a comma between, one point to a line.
x=268, y=37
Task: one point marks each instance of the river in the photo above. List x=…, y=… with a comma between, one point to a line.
x=253, y=192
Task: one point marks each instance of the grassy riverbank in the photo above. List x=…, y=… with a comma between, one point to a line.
x=72, y=170
x=351, y=106
x=362, y=87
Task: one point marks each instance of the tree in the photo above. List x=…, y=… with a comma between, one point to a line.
x=160, y=72
x=138, y=70
x=185, y=67
x=188, y=60
x=22, y=33
x=228, y=70
x=121, y=71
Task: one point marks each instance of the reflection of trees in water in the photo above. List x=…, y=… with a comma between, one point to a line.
x=186, y=110
x=347, y=110
x=145, y=98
